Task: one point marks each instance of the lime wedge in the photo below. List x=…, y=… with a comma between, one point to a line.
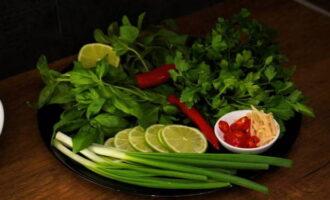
x=184, y=139
x=136, y=138
x=110, y=142
x=89, y=54
x=121, y=140
x=152, y=140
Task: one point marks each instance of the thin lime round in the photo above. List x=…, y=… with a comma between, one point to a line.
x=110, y=142
x=152, y=140
x=121, y=140
x=161, y=141
x=89, y=54
x=184, y=139
x=136, y=138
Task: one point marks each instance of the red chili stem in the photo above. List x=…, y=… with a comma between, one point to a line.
x=198, y=119
x=154, y=77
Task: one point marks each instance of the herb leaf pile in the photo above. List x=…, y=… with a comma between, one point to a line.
x=236, y=65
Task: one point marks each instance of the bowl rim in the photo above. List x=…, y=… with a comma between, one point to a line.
x=2, y=116
x=221, y=139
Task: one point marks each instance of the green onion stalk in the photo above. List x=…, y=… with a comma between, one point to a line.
x=170, y=170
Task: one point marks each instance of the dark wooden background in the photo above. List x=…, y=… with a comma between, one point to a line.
x=58, y=28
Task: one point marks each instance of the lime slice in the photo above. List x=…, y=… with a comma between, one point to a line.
x=184, y=139
x=121, y=140
x=152, y=140
x=89, y=54
x=110, y=142
x=136, y=138
x=160, y=139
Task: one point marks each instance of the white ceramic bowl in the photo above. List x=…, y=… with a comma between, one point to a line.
x=2, y=116
x=231, y=118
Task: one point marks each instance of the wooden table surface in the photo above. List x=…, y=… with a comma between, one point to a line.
x=29, y=171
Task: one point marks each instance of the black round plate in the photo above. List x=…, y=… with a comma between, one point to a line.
x=49, y=115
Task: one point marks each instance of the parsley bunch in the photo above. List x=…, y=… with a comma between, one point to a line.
x=236, y=65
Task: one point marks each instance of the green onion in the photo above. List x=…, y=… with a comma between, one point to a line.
x=280, y=162
x=111, y=152
x=227, y=171
x=170, y=170
x=135, y=174
x=207, y=163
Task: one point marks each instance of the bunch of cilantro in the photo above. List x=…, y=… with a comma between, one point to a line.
x=238, y=64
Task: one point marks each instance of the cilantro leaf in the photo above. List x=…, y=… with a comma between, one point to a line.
x=270, y=73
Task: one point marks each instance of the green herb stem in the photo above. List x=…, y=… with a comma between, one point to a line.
x=140, y=58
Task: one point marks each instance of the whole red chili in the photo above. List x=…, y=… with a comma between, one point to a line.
x=154, y=77
x=198, y=119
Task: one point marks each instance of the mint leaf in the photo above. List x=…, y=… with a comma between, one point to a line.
x=125, y=21
x=140, y=20
x=100, y=37
x=128, y=33
x=113, y=29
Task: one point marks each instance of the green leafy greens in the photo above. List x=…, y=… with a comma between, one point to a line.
x=236, y=65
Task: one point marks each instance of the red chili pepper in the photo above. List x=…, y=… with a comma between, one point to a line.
x=224, y=126
x=154, y=77
x=231, y=139
x=251, y=143
x=198, y=119
x=238, y=134
x=242, y=124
